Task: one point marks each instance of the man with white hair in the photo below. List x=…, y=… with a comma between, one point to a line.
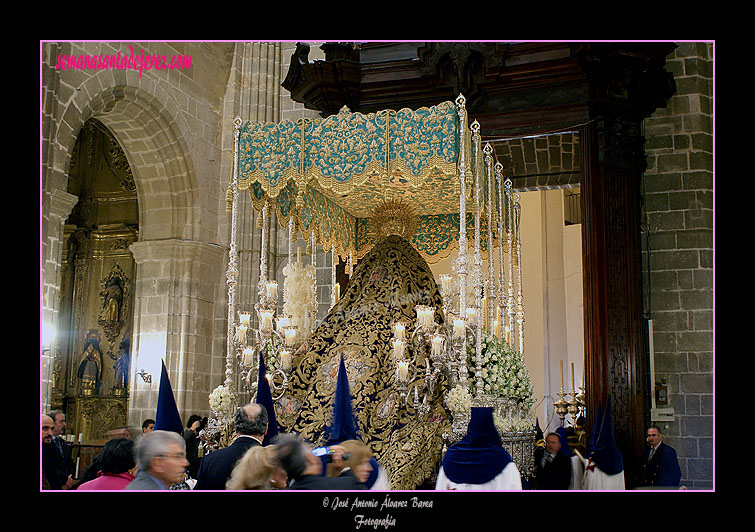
x=161, y=457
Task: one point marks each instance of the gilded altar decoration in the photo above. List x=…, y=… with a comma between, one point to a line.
x=114, y=297
x=89, y=368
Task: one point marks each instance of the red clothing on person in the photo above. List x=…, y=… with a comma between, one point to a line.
x=108, y=481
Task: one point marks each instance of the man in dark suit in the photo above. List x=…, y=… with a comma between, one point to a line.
x=305, y=470
x=552, y=467
x=250, y=424
x=56, y=454
x=660, y=463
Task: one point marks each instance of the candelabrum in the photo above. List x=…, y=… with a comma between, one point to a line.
x=274, y=339
x=574, y=407
x=439, y=349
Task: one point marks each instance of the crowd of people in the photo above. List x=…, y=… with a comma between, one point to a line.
x=163, y=460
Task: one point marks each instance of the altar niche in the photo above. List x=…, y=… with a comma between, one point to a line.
x=91, y=368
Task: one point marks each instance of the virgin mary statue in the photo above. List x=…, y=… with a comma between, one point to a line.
x=384, y=289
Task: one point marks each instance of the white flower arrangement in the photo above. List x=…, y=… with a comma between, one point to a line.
x=300, y=297
x=459, y=399
x=503, y=371
x=222, y=401
x=506, y=424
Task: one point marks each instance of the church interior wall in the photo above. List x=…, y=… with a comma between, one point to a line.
x=678, y=188
x=175, y=127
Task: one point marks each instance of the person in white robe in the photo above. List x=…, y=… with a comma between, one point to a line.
x=479, y=461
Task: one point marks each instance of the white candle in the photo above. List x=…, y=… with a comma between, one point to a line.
x=76, y=475
x=445, y=284
x=398, y=349
x=266, y=320
x=281, y=323
x=298, y=254
x=290, y=333
x=471, y=315
x=561, y=366
x=245, y=318
x=398, y=330
x=242, y=334
x=272, y=290
x=437, y=345
x=496, y=329
x=247, y=356
x=81, y=437
x=285, y=359
x=403, y=371
x=459, y=328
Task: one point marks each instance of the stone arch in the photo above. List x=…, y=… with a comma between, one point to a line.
x=153, y=135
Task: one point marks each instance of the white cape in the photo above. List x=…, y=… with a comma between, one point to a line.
x=508, y=479
x=595, y=479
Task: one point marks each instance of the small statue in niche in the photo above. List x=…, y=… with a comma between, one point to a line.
x=113, y=295
x=89, y=368
x=121, y=367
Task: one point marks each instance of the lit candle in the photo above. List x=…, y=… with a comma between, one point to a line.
x=445, y=284
x=242, y=333
x=496, y=329
x=437, y=345
x=459, y=328
x=290, y=333
x=398, y=349
x=561, y=364
x=281, y=323
x=398, y=330
x=266, y=320
x=428, y=318
x=272, y=289
x=247, y=356
x=285, y=359
x=403, y=371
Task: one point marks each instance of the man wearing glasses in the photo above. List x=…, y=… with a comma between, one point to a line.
x=161, y=457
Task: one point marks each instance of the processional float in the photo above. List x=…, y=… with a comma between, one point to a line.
x=343, y=183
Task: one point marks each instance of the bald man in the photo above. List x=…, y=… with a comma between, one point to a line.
x=55, y=473
x=250, y=424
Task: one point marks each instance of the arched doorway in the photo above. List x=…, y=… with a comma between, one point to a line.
x=90, y=380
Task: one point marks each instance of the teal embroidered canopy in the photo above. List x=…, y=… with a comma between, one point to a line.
x=330, y=173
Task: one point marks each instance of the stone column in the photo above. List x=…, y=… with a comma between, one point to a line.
x=57, y=206
x=176, y=282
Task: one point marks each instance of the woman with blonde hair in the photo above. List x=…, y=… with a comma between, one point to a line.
x=258, y=469
x=356, y=462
